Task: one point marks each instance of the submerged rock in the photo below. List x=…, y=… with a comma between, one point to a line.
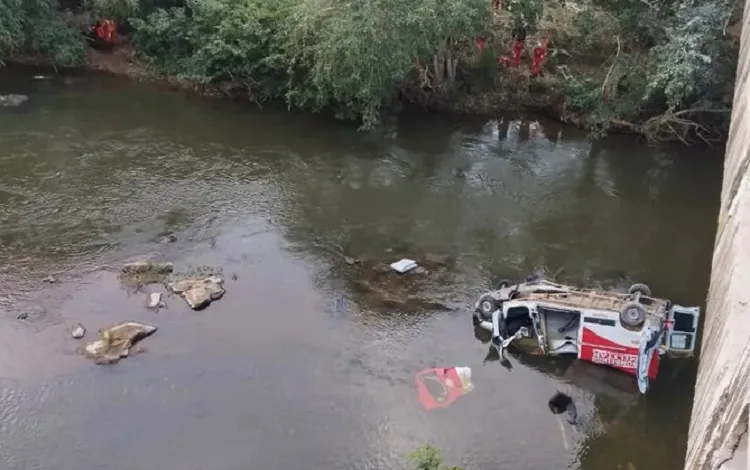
x=198, y=293
x=169, y=238
x=114, y=343
x=147, y=267
x=140, y=273
x=78, y=331
x=435, y=259
x=12, y=100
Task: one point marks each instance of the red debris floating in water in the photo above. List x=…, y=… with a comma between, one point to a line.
x=439, y=387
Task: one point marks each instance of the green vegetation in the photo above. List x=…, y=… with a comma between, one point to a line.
x=36, y=28
x=662, y=68
x=428, y=458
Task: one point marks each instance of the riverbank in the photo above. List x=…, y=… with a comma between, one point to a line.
x=517, y=91
x=600, y=71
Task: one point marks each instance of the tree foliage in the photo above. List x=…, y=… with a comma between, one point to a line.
x=212, y=41
x=693, y=66
x=117, y=10
x=356, y=56
x=353, y=57
x=653, y=66
x=35, y=27
x=672, y=71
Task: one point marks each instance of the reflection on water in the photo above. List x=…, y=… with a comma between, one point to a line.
x=310, y=357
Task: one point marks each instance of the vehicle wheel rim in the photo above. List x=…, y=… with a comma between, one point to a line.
x=487, y=307
x=632, y=314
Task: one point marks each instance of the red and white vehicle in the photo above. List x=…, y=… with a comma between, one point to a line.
x=628, y=332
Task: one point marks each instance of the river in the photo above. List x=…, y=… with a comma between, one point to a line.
x=299, y=366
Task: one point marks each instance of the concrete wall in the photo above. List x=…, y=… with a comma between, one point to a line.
x=719, y=423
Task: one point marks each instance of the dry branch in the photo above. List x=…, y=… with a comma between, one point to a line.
x=611, y=67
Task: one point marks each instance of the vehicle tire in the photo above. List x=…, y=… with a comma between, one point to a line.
x=633, y=314
x=487, y=305
x=504, y=283
x=642, y=288
x=532, y=278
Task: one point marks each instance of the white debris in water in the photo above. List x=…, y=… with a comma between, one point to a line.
x=464, y=374
x=404, y=265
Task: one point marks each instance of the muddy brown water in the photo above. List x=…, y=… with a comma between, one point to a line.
x=309, y=361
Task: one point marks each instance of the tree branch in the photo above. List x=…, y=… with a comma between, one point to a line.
x=614, y=61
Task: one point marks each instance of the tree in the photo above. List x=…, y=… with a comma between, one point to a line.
x=358, y=57
x=35, y=28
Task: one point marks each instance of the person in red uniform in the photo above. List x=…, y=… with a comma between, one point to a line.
x=105, y=30
x=519, y=34
x=540, y=56
x=481, y=43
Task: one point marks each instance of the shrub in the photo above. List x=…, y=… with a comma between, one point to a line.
x=210, y=41
x=428, y=458
x=34, y=27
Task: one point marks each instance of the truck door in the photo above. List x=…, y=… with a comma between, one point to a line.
x=647, y=365
x=682, y=330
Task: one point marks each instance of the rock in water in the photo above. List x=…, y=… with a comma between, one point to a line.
x=147, y=267
x=169, y=238
x=78, y=331
x=12, y=100
x=115, y=342
x=561, y=403
x=198, y=293
x=50, y=279
x=141, y=273
x=154, y=300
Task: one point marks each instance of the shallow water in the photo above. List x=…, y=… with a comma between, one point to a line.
x=303, y=364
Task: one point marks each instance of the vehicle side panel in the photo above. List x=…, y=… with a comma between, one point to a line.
x=604, y=342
